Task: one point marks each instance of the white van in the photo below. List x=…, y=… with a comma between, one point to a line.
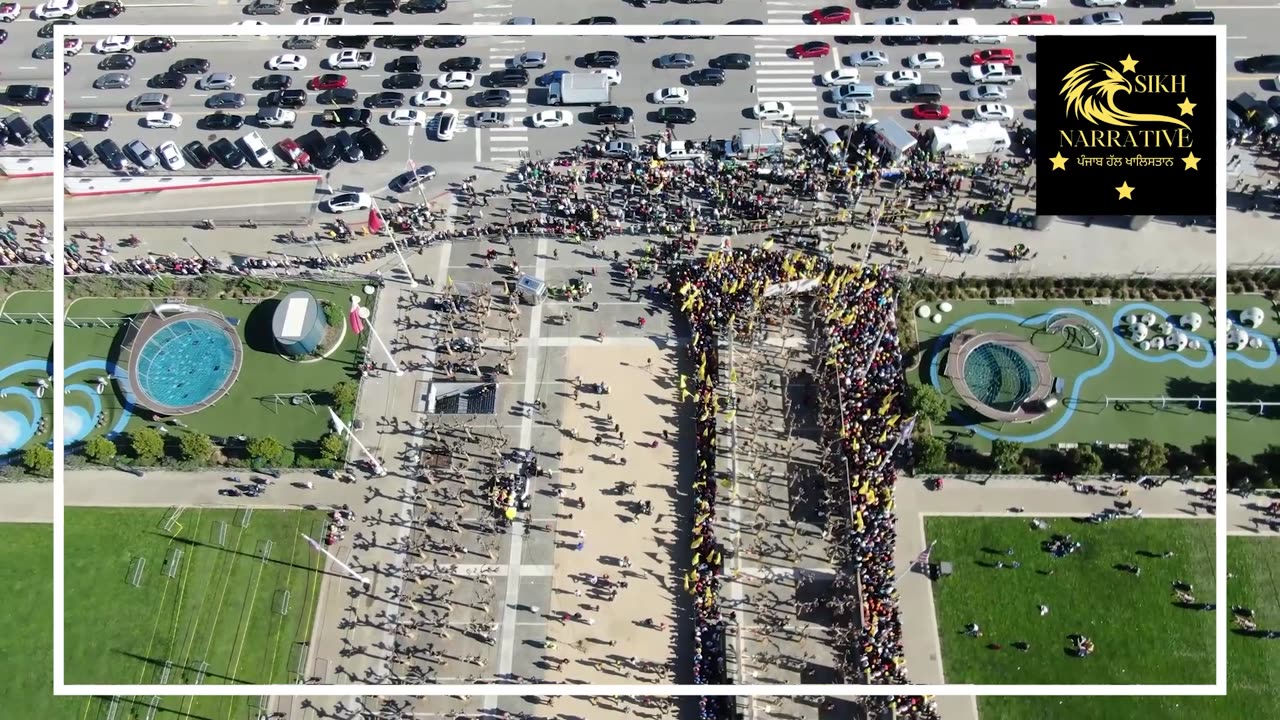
x=832, y=143
x=976, y=39
x=679, y=151
x=258, y=151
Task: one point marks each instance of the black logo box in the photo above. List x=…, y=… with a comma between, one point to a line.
x=1121, y=157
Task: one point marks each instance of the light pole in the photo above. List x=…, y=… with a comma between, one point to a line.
x=386, y=226
x=365, y=315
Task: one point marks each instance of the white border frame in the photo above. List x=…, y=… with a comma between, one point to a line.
x=60, y=688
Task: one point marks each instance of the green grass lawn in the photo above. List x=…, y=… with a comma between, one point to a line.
x=1140, y=636
x=28, y=341
x=1253, y=665
x=26, y=624
x=220, y=608
x=1248, y=433
x=1091, y=420
x=248, y=408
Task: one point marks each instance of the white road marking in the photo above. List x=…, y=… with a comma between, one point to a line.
x=479, y=131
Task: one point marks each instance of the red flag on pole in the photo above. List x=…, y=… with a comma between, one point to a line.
x=357, y=323
x=375, y=221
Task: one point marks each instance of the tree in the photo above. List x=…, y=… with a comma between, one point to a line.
x=196, y=447
x=1084, y=461
x=928, y=403
x=147, y=445
x=344, y=396
x=100, y=450
x=332, y=446
x=931, y=454
x=1149, y=458
x=265, y=450
x=1006, y=455
x=38, y=460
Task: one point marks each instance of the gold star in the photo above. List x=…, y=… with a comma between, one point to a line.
x=1129, y=64
x=1191, y=161
x=1126, y=192
x=1186, y=106
x=1059, y=162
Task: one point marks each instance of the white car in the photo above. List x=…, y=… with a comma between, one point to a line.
x=10, y=11
x=552, y=119
x=1106, y=17
x=346, y=202
x=671, y=96
x=774, y=110
x=988, y=91
x=170, y=156
x=56, y=10
x=853, y=109
x=611, y=76
x=162, y=120
x=321, y=20
x=1103, y=3
x=1024, y=4
x=839, y=76
x=72, y=46
x=900, y=78
x=867, y=58
x=352, y=60
x=114, y=44
x=456, y=81
x=287, y=62
x=432, y=98
x=896, y=20
x=446, y=123
x=993, y=111
x=407, y=118
x=927, y=61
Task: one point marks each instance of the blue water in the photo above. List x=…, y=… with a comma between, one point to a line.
x=184, y=363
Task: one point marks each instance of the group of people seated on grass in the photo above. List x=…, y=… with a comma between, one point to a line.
x=857, y=348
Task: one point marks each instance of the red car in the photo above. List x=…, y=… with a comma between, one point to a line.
x=1041, y=19
x=328, y=81
x=831, y=15
x=1001, y=56
x=294, y=154
x=931, y=111
x=814, y=49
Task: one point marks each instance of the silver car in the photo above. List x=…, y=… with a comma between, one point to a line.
x=677, y=61
x=1108, y=17
x=141, y=155
x=218, y=81
x=532, y=59
x=112, y=81
x=265, y=7
x=492, y=119
x=227, y=100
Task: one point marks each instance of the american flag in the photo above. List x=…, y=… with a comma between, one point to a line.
x=921, y=562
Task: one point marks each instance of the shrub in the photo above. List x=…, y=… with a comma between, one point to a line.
x=147, y=445
x=100, y=450
x=38, y=460
x=265, y=450
x=196, y=447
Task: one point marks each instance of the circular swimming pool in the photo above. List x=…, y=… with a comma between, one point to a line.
x=999, y=376
x=187, y=363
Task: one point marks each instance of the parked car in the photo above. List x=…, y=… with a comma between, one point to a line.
x=198, y=155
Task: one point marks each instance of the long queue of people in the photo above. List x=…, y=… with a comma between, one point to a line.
x=856, y=305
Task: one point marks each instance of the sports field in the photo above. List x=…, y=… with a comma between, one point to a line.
x=1115, y=368
x=26, y=625
x=223, y=617
x=1254, y=374
x=1140, y=635
x=26, y=342
x=249, y=408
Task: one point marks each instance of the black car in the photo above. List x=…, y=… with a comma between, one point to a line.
x=168, y=79
x=275, y=81
x=117, y=62
x=88, y=121
x=732, y=61
x=375, y=7
x=855, y=39
x=221, y=121
x=745, y=21
x=155, y=45
x=227, y=153
x=707, y=76
x=883, y=4
x=286, y=98
x=509, y=78
x=424, y=6
x=347, y=147
x=1262, y=63
x=937, y=4
x=445, y=41
x=677, y=116
x=320, y=7
x=371, y=144
x=78, y=154
x=44, y=129
x=17, y=130
x=601, y=59
x=902, y=40
x=405, y=64
x=401, y=42
x=598, y=20
x=461, y=64
x=612, y=115
x=190, y=66
x=385, y=99
x=46, y=30
x=340, y=96
x=347, y=117
x=403, y=81
x=359, y=42
x=413, y=178
x=101, y=10
x=28, y=95
x=1150, y=3
x=323, y=150
x=110, y=155
x=492, y=99
x=198, y=155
